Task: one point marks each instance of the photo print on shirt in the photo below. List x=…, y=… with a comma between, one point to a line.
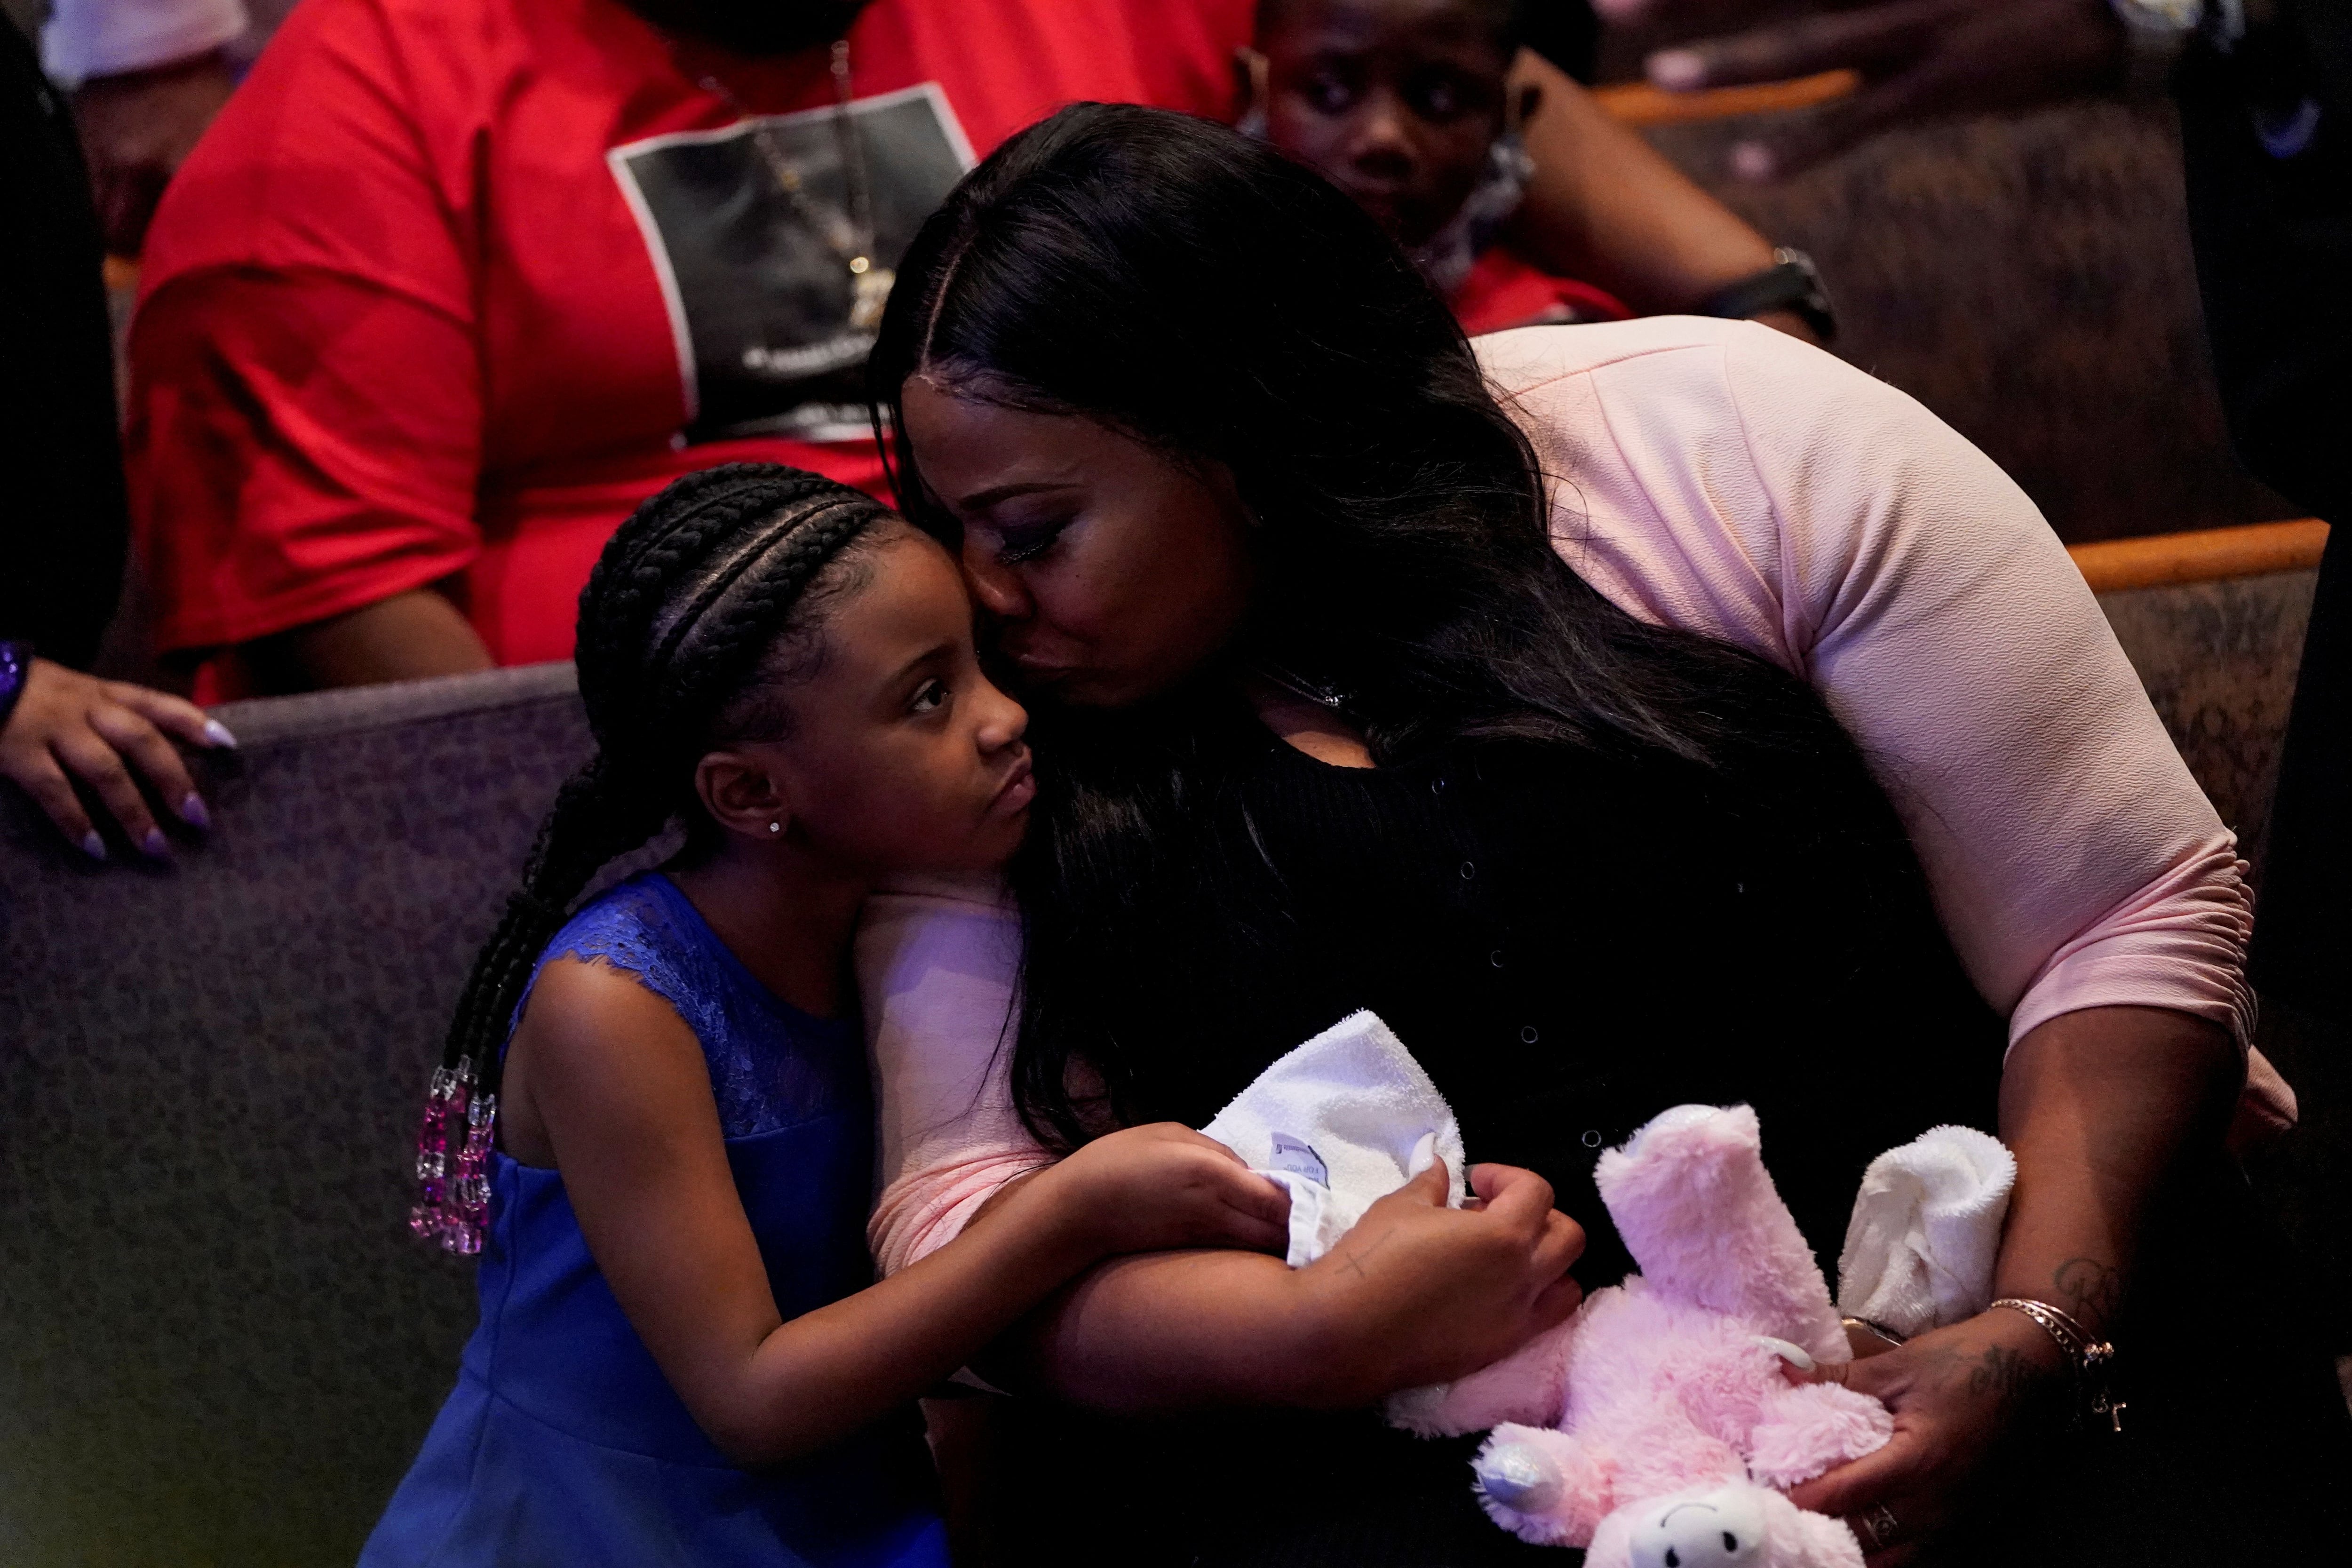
x=759, y=298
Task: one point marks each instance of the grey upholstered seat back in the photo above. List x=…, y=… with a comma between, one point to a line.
x=220, y=1346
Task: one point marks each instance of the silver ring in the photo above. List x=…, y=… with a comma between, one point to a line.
x=1882, y=1524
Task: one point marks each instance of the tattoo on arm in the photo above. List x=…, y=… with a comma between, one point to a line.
x=2007, y=1375
x=2003, y=1372
x=2089, y=1289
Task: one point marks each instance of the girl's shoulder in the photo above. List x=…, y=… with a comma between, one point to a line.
x=643, y=926
x=771, y=1065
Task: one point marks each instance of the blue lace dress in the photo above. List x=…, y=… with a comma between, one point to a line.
x=563, y=1445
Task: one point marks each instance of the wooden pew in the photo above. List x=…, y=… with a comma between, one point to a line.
x=2213, y=622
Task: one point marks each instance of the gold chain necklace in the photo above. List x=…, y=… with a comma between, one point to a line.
x=848, y=234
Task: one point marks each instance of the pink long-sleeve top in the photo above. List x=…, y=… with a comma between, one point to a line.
x=1724, y=478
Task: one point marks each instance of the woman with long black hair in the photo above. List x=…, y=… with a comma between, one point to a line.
x=1631, y=715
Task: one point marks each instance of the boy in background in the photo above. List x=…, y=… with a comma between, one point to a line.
x=1405, y=105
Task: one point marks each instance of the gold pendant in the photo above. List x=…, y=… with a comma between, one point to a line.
x=869, y=292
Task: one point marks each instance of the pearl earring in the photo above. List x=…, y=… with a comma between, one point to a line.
x=775, y=827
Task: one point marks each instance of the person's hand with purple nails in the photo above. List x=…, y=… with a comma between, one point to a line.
x=110, y=738
x=1918, y=59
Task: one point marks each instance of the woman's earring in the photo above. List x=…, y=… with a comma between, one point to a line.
x=775, y=827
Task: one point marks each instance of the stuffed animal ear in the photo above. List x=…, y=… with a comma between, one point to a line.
x=1547, y=1487
x=1699, y=1213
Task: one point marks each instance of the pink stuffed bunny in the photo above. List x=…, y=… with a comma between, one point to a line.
x=1657, y=1427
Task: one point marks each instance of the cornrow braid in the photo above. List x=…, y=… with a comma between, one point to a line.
x=684, y=604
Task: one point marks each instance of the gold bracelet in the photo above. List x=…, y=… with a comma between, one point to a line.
x=2090, y=1357
x=1878, y=1330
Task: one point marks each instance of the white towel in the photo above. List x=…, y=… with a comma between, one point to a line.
x=1342, y=1121
x=1925, y=1230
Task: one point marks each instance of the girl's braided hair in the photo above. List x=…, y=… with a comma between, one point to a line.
x=713, y=587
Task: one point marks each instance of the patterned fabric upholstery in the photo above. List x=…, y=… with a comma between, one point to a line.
x=2027, y=279
x=219, y=1344
x=2219, y=662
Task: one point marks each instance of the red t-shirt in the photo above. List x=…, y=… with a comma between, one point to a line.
x=1504, y=289
x=452, y=285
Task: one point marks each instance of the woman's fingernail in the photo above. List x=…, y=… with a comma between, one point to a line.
x=94, y=845
x=218, y=734
x=1752, y=161
x=193, y=812
x=1678, y=70
x=1794, y=1354
x=156, y=845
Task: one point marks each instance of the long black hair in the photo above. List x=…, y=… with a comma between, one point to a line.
x=1184, y=285
x=711, y=593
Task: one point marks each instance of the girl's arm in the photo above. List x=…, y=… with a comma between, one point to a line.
x=1416, y=1293
x=936, y=967
x=619, y=1086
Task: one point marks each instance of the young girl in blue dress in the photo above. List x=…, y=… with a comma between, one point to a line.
x=654, y=1120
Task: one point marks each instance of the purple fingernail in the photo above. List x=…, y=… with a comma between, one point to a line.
x=193, y=812
x=218, y=734
x=1678, y=70
x=94, y=845
x=1753, y=160
x=156, y=845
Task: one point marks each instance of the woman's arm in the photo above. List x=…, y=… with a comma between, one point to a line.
x=408, y=637
x=1741, y=486
x=1730, y=481
x=1416, y=1293
x=608, y=1078
x=2100, y=1107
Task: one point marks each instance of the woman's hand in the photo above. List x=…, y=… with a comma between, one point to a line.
x=110, y=736
x=1157, y=1187
x=2098, y=1105
x=1418, y=1293
x=1955, y=1393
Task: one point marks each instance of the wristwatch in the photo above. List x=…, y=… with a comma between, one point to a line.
x=1792, y=283
x=2155, y=34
